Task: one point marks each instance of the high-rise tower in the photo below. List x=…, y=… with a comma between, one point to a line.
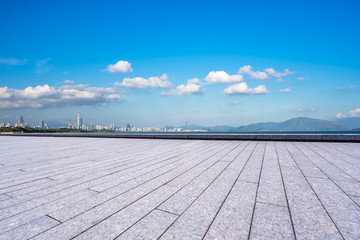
x=78, y=124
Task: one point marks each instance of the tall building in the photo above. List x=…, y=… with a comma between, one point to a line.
x=21, y=120
x=79, y=121
x=42, y=124
x=70, y=125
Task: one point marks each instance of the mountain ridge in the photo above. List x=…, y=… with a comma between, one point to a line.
x=293, y=124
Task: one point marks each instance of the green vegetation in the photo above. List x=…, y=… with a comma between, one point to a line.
x=50, y=130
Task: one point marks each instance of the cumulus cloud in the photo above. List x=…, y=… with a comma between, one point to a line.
x=47, y=96
x=352, y=113
x=222, y=77
x=12, y=61
x=285, y=90
x=255, y=75
x=193, y=86
x=280, y=80
x=301, y=78
x=68, y=81
x=274, y=73
x=120, y=66
x=268, y=73
x=139, y=82
x=242, y=88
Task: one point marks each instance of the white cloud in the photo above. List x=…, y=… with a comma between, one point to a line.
x=47, y=96
x=352, y=113
x=255, y=75
x=242, y=88
x=195, y=81
x=301, y=78
x=12, y=61
x=120, y=66
x=273, y=73
x=235, y=102
x=299, y=110
x=139, y=82
x=280, y=80
x=285, y=90
x=222, y=77
x=193, y=86
x=68, y=81
x=268, y=73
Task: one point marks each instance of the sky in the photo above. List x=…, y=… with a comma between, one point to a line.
x=158, y=63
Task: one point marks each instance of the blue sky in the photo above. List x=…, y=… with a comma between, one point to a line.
x=108, y=52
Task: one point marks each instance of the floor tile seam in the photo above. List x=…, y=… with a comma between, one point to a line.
x=285, y=191
x=322, y=204
x=231, y=188
x=24, y=183
x=257, y=191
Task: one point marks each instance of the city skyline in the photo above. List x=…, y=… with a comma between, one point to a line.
x=179, y=62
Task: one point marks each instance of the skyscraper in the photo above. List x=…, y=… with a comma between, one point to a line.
x=42, y=124
x=79, y=121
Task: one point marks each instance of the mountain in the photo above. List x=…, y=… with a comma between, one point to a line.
x=296, y=124
x=291, y=125
x=353, y=122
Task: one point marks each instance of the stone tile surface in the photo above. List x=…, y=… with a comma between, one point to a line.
x=104, y=188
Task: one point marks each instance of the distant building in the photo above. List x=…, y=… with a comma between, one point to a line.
x=70, y=125
x=78, y=123
x=21, y=120
x=42, y=124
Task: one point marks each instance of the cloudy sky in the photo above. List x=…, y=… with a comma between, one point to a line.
x=154, y=63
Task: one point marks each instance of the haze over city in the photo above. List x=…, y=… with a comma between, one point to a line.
x=210, y=63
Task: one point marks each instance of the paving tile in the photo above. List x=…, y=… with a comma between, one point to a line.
x=342, y=164
x=344, y=212
x=347, y=183
x=182, y=200
x=4, y=197
x=15, y=219
x=252, y=169
x=121, y=221
x=307, y=166
x=271, y=189
x=30, y=229
x=149, y=227
x=234, y=218
x=194, y=222
x=310, y=219
x=64, y=188
x=271, y=222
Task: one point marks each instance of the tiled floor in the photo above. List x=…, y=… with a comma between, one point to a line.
x=86, y=188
